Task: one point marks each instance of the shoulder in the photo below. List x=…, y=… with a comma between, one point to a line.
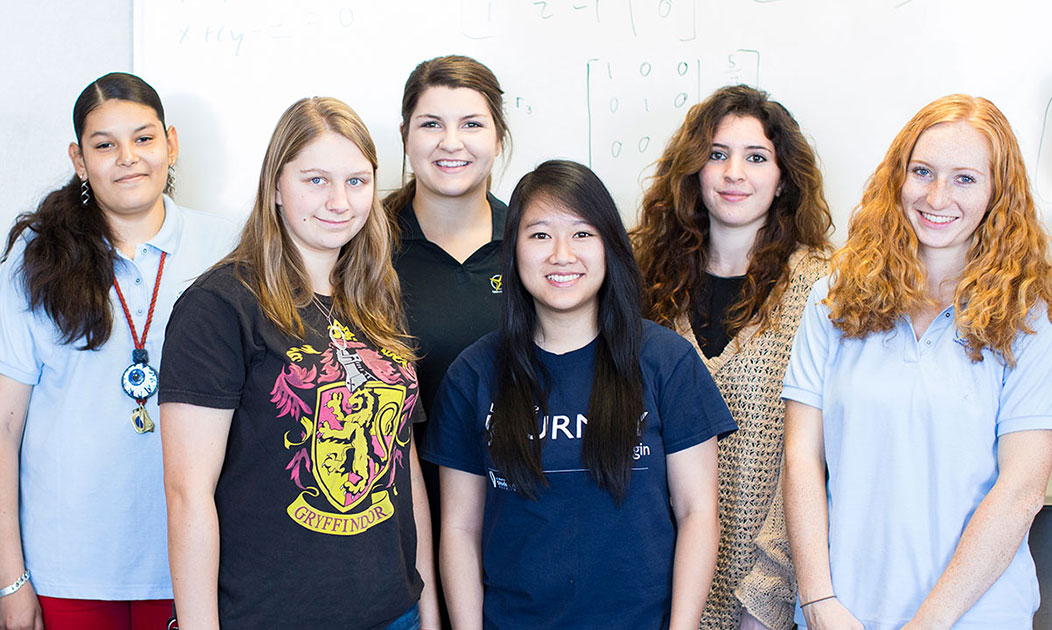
x=660, y=344
x=480, y=356
x=498, y=210
x=207, y=230
x=807, y=266
x=221, y=283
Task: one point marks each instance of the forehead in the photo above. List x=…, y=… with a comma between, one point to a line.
x=956, y=144
x=331, y=151
x=545, y=209
x=442, y=100
x=114, y=114
x=743, y=130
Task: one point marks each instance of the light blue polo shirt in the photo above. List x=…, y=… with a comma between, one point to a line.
x=910, y=431
x=92, y=507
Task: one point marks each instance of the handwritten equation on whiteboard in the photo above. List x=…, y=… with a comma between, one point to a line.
x=484, y=19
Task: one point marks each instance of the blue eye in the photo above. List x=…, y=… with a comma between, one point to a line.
x=921, y=171
x=966, y=179
x=356, y=181
x=316, y=180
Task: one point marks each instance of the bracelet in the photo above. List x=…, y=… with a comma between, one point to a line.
x=820, y=599
x=10, y=590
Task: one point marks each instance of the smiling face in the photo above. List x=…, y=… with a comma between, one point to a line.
x=947, y=188
x=325, y=194
x=561, y=261
x=451, y=142
x=124, y=155
x=741, y=178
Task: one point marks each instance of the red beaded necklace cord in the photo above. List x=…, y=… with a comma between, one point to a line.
x=140, y=344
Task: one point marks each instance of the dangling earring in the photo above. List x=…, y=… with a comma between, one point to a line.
x=170, y=185
x=85, y=192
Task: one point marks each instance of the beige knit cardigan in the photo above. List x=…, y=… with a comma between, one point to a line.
x=749, y=374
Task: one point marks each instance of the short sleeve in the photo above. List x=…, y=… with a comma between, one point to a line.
x=455, y=437
x=203, y=362
x=19, y=359
x=690, y=405
x=1026, y=395
x=805, y=376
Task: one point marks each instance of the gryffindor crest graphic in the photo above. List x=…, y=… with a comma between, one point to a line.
x=349, y=443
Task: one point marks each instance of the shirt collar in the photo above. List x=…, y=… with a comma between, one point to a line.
x=167, y=238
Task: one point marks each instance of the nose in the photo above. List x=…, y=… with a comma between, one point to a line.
x=734, y=169
x=337, y=200
x=938, y=194
x=127, y=155
x=562, y=251
x=451, y=139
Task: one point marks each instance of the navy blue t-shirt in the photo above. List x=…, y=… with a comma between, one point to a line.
x=573, y=558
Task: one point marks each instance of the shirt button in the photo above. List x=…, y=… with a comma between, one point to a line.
x=927, y=343
x=138, y=312
x=144, y=250
x=138, y=281
x=947, y=314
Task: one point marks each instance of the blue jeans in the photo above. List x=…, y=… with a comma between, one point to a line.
x=409, y=621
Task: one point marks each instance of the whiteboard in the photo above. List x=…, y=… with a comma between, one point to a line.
x=604, y=82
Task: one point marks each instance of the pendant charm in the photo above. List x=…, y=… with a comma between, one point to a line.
x=141, y=420
x=139, y=380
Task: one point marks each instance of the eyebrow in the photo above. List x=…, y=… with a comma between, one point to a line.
x=751, y=147
x=325, y=172
x=987, y=171
x=437, y=117
x=103, y=132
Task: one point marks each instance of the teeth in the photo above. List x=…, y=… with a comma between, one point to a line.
x=563, y=277
x=452, y=163
x=934, y=218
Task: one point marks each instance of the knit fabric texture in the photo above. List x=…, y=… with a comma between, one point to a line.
x=756, y=573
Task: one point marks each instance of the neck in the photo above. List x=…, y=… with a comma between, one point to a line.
x=439, y=215
x=730, y=249
x=944, y=271
x=319, y=269
x=561, y=333
x=130, y=231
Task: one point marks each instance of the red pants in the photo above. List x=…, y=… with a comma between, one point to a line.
x=94, y=614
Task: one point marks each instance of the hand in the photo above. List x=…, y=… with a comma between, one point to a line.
x=751, y=623
x=21, y=610
x=830, y=614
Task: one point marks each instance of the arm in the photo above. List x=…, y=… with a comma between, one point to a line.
x=20, y=610
x=807, y=517
x=194, y=442
x=692, y=490
x=995, y=531
x=425, y=563
x=460, y=549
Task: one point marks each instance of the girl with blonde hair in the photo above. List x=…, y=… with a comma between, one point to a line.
x=918, y=413
x=287, y=403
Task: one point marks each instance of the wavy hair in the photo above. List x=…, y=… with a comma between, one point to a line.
x=451, y=71
x=365, y=287
x=672, y=238
x=67, y=266
x=878, y=275
x=616, y=403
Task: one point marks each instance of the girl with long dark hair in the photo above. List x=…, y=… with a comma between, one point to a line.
x=564, y=436
x=733, y=235
x=287, y=397
x=89, y=281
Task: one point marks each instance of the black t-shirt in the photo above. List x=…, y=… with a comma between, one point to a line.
x=448, y=305
x=314, y=499
x=708, y=312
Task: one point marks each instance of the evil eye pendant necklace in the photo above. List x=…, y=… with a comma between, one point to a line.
x=140, y=380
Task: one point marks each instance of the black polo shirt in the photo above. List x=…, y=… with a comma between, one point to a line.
x=449, y=305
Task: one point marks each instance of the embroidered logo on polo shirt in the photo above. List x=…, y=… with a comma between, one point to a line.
x=497, y=282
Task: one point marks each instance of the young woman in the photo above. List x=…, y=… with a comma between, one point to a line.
x=88, y=283
x=918, y=418
x=732, y=237
x=449, y=226
x=287, y=397
x=564, y=435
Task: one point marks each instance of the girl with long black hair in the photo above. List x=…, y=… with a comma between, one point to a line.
x=89, y=281
x=563, y=437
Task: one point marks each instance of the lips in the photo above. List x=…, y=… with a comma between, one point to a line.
x=937, y=219
x=563, y=279
x=733, y=195
x=131, y=178
x=451, y=163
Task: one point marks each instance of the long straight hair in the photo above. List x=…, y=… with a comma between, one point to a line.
x=67, y=266
x=365, y=287
x=615, y=408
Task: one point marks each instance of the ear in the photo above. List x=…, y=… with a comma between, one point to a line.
x=277, y=196
x=781, y=187
x=77, y=158
x=173, y=145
